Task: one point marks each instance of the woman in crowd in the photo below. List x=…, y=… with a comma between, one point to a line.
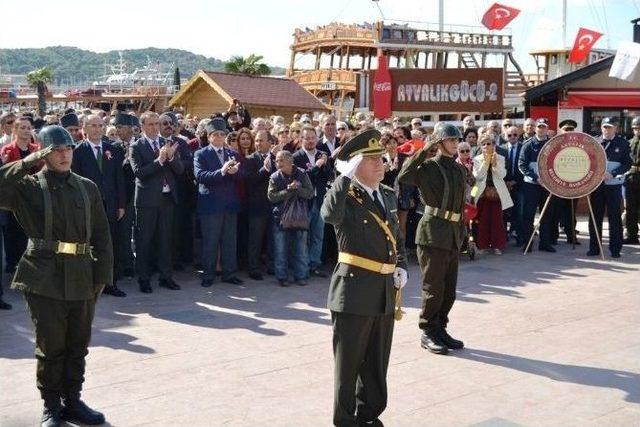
x=391, y=160
x=232, y=141
x=492, y=196
x=246, y=143
x=470, y=136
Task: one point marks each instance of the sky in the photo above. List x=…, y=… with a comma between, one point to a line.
x=223, y=29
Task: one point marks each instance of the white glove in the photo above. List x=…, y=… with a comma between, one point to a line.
x=348, y=168
x=400, y=278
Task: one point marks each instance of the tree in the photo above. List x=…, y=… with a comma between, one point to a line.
x=38, y=80
x=176, y=79
x=250, y=65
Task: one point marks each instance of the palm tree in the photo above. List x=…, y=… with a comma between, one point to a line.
x=38, y=79
x=250, y=66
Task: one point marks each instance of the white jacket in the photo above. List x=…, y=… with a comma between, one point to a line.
x=498, y=172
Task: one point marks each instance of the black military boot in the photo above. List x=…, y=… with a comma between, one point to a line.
x=52, y=414
x=432, y=342
x=76, y=411
x=449, y=341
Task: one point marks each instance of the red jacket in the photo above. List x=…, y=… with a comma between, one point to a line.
x=11, y=153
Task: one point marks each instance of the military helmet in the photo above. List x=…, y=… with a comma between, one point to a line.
x=55, y=135
x=443, y=131
x=635, y=122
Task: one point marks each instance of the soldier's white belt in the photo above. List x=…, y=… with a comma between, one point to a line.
x=366, y=263
x=60, y=247
x=448, y=215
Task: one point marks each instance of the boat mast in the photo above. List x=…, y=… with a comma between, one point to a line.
x=564, y=24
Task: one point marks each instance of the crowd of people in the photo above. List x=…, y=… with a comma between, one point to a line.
x=231, y=193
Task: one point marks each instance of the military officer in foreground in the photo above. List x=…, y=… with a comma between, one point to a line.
x=365, y=281
x=68, y=261
x=440, y=231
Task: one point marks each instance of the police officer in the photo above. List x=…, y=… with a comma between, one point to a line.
x=534, y=193
x=68, y=261
x=441, y=182
x=363, y=286
x=609, y=194
x=632, y=186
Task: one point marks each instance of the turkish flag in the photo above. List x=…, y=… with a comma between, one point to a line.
x=583, y=44
x=382, y=93
x=498, y=16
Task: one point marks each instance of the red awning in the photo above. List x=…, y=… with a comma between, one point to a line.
x=603, y=98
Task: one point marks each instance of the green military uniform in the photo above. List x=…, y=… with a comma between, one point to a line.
x=441, y=182
x=632, y=191
x=362, y=300
x=60, y=288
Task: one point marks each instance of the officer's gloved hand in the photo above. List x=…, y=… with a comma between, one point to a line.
x=348, y=168
x=38, y=155
x=400, y=277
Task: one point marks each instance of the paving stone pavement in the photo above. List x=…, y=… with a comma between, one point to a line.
x=551, y=340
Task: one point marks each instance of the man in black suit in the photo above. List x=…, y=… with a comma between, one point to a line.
x=100, y=162
x=258, y=167
x=315, y=163
x=514, y=179
x=330, y=140
x=156, y=166
x=184, y=215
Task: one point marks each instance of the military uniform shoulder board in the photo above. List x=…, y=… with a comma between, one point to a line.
x=356, y=193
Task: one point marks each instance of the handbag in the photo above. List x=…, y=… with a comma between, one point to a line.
x=295, y=214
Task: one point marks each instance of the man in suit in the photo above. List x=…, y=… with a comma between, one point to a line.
x=534, y=193
x=315, y=163
x=183, y=222
x=257, y=169
x=216, y=170
x=608, y=196
x=329, y=141
x=156, y=166
x=100, y=162
x=514, y=179
x=21, y=145
x=124, y=127
x=363, y=289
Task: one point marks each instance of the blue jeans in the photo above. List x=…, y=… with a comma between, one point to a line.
x=297, y=241
x=316, y=236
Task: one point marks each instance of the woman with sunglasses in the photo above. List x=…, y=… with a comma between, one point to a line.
x=492, y=196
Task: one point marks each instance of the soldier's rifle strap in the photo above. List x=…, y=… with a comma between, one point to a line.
x=383, y=225
x=48, y=211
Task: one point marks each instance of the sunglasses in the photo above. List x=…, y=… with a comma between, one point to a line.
x=512, y=134
x=507, y=124
x=486, y=144
x=166, y=123
x=10, y=123
x=342, y=128
x=465, y=151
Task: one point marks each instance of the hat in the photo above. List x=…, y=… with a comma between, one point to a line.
x=366, y=143
x=68, y=120
x=568, y=123
x=55, y=135
x=608, y=121
x=542, y=122
x=135, y=121
x=217, y=124
x=123, y=119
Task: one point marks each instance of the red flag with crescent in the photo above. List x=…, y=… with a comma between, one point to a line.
x=583, y=44
x=498, y=16
x=381, y=93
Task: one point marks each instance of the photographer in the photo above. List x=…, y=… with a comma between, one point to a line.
x=237, y=116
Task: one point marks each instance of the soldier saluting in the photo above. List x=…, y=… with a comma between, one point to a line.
x=68, y=261
x=439, y=235
x=371, y=267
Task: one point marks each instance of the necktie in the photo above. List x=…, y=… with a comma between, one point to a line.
x=156, y=150
x=376, y=201
x=99, y=157
x=220, y=155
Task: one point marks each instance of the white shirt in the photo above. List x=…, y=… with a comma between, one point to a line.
x=370, y=191
x=311, y=155
x=95, y=147
x=330, y=143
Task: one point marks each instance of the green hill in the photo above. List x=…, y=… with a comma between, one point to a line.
x=70, y=64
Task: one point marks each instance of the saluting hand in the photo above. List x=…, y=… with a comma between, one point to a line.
x=38, y=155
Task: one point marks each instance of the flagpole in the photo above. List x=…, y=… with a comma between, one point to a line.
x=564, y=24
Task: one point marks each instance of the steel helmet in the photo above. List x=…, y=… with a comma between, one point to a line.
x=55, y=135
x=635, y=122
x=443, y=131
